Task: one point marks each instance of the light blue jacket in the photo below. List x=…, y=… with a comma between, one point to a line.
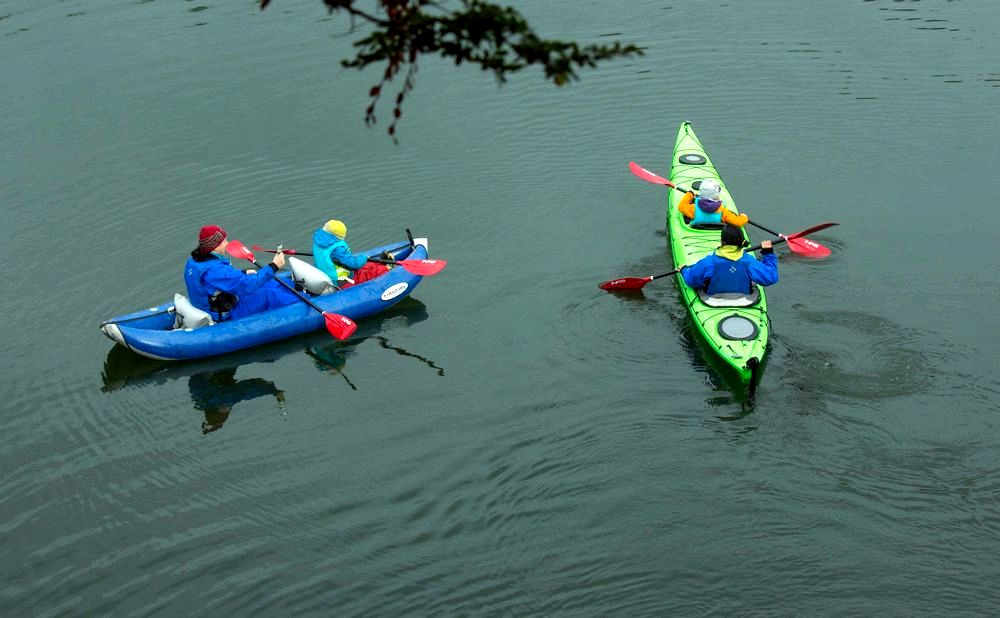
x=329, y=251
x=702, y=218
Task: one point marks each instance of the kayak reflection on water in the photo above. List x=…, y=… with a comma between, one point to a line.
x=333, y=358
x=125, y=369
x=216, y=392
x=212, y=381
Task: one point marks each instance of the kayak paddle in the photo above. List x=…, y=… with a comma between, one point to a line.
x=637, y=283
x=340, y=326
x=285, y=251
x=425, y=268
x=806, y=247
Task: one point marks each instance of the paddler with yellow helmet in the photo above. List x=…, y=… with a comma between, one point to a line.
x=333, y=256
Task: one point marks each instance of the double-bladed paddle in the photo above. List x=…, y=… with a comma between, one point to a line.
x=340, y=326
x=425, y=268
x=637, y=283
x=806, y=247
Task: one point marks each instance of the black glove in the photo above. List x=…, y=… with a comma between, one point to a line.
x=766, y=250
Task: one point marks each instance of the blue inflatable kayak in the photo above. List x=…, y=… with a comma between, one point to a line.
x=150, y=332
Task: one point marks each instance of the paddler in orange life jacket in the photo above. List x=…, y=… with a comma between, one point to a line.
x=729, y=269
x=707, y=208
x=215, y=286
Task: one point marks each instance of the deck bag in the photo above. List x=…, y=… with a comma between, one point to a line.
x=187, y=316
x=367, y=272
x=314, y=280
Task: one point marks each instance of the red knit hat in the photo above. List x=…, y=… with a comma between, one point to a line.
x=210, y=237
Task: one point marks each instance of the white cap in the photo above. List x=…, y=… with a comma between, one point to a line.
x=709, y=189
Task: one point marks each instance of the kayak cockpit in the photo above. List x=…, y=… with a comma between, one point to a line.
x=703, y=226
x=730, y=299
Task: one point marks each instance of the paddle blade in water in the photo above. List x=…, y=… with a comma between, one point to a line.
x=791, y=238
x=647, y=175
x=238, y=250
x=340, y=326
x=625, y=283
x=425, y=268
x=808, y=248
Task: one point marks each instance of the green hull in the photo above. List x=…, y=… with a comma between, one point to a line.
x=690, y=245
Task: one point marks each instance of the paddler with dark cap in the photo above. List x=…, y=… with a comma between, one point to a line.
x=731, y=270
x=216, y=286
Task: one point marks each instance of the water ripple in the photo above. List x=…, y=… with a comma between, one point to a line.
x=871, y=357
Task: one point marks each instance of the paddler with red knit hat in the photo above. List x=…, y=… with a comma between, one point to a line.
x=215, y=286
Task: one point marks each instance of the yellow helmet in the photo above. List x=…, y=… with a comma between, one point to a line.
x=337, y=228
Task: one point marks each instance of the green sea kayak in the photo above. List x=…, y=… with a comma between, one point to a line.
x=735, y=328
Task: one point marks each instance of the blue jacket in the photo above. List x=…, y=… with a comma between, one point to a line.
x=328, y=251
x=722, y=273
x=206, y=275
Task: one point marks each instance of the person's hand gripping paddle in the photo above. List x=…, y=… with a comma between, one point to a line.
x=340, y=326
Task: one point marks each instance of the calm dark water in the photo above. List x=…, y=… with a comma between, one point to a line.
x=512, y=441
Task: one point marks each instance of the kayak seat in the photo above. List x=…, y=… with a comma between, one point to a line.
x=187, y=316
x=730, y=299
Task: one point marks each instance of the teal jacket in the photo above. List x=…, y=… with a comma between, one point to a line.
x=329, y=251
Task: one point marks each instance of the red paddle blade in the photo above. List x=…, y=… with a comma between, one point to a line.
x=423, y=267
x=808, y=248
x=237, y=249
x=340, y=326
x=625, y=283
x=647, y=175
x=812, y=230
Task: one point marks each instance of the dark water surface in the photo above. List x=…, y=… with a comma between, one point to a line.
x=511, y=441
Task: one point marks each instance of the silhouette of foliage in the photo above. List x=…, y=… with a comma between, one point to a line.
x=495, y=37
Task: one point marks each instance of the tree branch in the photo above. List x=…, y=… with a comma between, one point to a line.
x=496, y=38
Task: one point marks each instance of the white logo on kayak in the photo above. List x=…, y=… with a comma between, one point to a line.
x=395, y=291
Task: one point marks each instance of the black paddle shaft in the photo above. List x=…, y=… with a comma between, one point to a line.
x=777, y=241
x=677, y=270
x=290, y=287
x=294, y=252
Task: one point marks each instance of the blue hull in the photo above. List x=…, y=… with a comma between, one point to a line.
x=149, y=332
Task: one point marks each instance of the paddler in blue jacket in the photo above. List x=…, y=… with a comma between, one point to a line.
x=729, y=269
x=333, y=256
x=215, y=286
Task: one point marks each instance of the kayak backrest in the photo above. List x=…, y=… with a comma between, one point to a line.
x=314, y=280
x=730, y=299
x=704, y=226
x=187, y=316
